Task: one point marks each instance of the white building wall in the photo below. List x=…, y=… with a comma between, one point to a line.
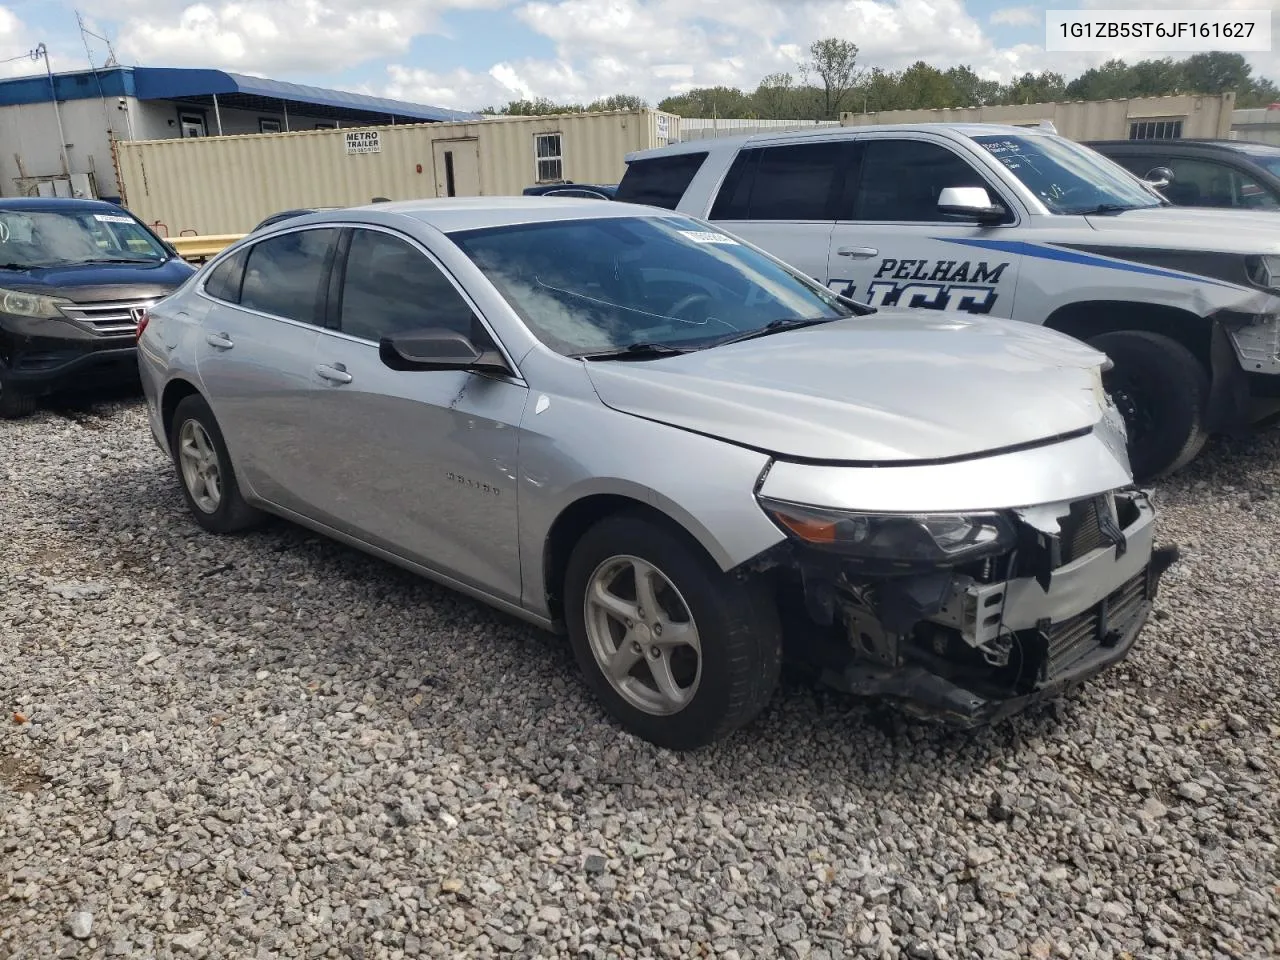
x=29, y=144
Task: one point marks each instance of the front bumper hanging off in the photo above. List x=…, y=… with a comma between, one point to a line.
x=1087, y=619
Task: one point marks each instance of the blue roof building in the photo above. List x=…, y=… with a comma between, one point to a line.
x=57, y=134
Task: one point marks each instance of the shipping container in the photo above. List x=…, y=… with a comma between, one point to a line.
x=224, y=185
x=1139, y=118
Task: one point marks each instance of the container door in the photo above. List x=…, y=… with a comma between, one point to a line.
x=457, y=164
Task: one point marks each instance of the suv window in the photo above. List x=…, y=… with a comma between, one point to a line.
x=285, y=276
x=902, y=179
x=659, y=181
x=1203, y=183
x=226, y=278
x=390, y=287
x=793, y=182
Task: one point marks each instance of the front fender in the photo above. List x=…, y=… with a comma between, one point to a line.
x=577, y=448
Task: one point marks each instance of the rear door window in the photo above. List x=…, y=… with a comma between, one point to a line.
x=799, y=181
x=226, y=278
x=286, y=276
x=659, y=181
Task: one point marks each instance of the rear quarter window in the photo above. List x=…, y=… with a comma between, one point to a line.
x=659, y=181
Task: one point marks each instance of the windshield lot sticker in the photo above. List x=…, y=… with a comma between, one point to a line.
x=111, y=218
x=963, y=285
x=706, y=236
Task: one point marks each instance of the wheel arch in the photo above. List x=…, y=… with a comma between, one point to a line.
x=1085, y=319
x=175, y=391
x=586, y=510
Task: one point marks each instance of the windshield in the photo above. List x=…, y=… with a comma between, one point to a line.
x=598, y=285
x=44, y=238
x=1066, y=177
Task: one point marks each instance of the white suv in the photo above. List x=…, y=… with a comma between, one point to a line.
x=1011, y=222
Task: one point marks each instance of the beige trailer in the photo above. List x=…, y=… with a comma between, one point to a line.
x=226, y=185
x=1139, y=118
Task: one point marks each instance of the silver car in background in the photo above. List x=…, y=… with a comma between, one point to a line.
x=619, y=422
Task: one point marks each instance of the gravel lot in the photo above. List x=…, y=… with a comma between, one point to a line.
x=273, y=746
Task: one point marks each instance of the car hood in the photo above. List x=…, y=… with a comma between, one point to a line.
x=894, y=386
x=91, y=282
x=1195, y=228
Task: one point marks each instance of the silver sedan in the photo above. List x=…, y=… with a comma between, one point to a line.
x=618, y=422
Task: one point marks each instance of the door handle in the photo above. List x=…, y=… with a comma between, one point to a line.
x=336, y=373
x=857, y=253
x=219, y=340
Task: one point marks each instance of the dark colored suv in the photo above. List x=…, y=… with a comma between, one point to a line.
x=75, y=277
x=1237, y=174
x=589, y=191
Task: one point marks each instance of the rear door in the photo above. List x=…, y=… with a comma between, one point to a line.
x=784, y=198
x=891, y=246
x=255, y=356
x=420, y=463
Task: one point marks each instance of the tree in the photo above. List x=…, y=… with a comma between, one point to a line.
x=619, y=101
x=1217, y=73
x=970, y=90
x=1035, y=88
x=834, y=61
x=921, y=86
x=775, y=98
x=729, y=103
x=533, y=108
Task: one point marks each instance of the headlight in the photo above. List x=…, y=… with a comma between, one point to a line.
x=1264, y=271
x=932, y=538
x=29, y=304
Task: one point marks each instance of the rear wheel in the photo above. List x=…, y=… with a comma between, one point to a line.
x=678, y=651
x=14, y=405
x=204, y=470
x=1162, y=391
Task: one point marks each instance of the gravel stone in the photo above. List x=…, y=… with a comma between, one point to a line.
x=81, y=924
x=270, y=746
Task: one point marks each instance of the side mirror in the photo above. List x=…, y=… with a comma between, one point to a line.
x=438, y=350
x=1159, y=177
x=970, y=203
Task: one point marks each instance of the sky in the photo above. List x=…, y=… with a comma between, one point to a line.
x=466, y=54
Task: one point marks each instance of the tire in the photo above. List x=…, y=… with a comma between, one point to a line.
x=14, y=405
x=1162, y=391
x=737, y=628
x=229, y=513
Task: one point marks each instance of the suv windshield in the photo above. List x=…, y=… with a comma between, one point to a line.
x=1066, y=177
x=44, y=238
x=595, y=286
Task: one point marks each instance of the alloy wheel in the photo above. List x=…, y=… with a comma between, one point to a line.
x=642, y=635
x=198, y=461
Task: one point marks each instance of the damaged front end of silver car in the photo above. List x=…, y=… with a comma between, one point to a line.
x=961, y=612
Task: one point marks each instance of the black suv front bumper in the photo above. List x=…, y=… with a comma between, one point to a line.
x=39, y=357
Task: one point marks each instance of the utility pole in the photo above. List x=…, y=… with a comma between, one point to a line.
x=41, y=51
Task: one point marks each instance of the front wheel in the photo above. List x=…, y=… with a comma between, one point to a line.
x=14, y=405
x=678, y=651
x=1162, y=391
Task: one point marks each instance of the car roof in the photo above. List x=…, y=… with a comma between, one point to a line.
x=451, y=214
x=953, y=130
x=1254, y=147
x=57, y=203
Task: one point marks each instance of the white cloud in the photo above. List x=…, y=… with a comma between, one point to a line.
x=1018, y=16
x=654, y=48
x=279, y=36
